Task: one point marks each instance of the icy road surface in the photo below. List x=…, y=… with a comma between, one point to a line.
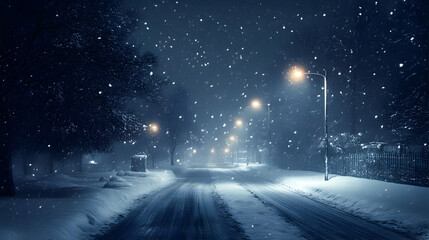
x=191, y=209
x=187, y=209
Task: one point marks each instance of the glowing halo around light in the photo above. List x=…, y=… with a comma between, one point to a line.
x=296, y=74
x=256, y=104
x=238, y=123
x=153, y=128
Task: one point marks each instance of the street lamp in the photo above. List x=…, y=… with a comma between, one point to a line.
x=234, y=139
x=212, y=150
x=238, y=123
x=226, y=151
x=153, y=129
x=297, y=74
x=256, y=104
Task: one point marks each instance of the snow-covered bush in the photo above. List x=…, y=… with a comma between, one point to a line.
x=133, y=174
x=117, y=182
x=343, y=143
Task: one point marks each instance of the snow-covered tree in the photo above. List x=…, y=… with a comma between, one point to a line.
x=179, y=121
x=70, y=73
x=408, y=113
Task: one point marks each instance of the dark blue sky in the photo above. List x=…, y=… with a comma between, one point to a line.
x=228, y=52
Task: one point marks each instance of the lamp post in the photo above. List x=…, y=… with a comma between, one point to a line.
x=256, y=104
x=269, y=136
x=297, y=74
x=234, y=140
x=153, y=130
x=238, y=123
x=226, y=151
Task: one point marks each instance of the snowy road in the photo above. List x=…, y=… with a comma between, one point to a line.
x=186, y=210
x=189, y=209
x=316, y=220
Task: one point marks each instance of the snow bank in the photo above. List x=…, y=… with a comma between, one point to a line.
x=75, y=206
x=117, y=182
x=398, y=206
x=134, y=174
x=257, y=220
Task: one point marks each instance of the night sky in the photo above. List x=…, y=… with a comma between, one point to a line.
x=224, y=53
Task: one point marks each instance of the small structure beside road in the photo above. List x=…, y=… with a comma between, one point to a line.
x=139, y=163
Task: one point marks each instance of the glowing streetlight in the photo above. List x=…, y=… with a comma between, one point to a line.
x=226, y=150
x=297, y=74
x=238, y=123
x=256, y=104
x=153, y=128
x=212, y=150
x=194, y=151
x=234, y=139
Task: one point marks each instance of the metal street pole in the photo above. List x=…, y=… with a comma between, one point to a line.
x=297, y=74
x=153, y=154
x=247, y=144
x=269, y=136
x=153, y=129
x=232, y=154
x=325, y=125
x=236, y=149
x=326, y=128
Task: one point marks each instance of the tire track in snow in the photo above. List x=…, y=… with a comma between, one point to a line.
x=258, y=220
x=315, y=219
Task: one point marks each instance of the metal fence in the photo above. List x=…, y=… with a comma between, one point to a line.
x=411, y=168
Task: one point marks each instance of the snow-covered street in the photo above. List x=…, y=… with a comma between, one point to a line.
x=314, y=219
x=232, y=203
x=216, y=202
x=216, y=119
x=186, y=209
x=73, y=206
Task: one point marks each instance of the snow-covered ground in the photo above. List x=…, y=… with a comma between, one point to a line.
x=81, y=204
x=397, y=206
x=73, y=206
x=257, y=220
